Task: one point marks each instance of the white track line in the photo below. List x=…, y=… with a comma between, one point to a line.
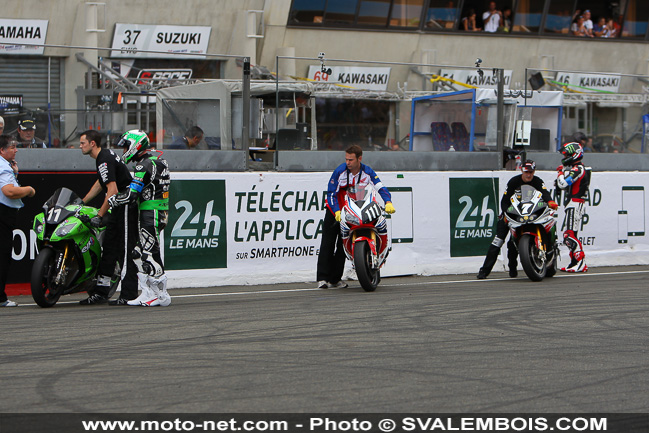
x=263, y=292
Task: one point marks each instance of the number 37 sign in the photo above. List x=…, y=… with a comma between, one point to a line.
x=135, y=40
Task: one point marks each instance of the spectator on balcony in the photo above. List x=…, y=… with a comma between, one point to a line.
x=588, y=23
x=599, y=28
x=491, y=18
x=469, y=23
x=611, y=29
x=577, y=28
x=26, y=135
x=506, y=24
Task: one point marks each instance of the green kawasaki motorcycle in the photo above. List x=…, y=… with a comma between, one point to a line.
x=69, y=250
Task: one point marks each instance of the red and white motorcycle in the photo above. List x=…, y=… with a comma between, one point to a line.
x=365, y=234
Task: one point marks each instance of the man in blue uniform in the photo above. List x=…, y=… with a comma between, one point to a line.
x=350, y=176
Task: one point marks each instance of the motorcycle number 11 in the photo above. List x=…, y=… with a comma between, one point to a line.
x=54, y=214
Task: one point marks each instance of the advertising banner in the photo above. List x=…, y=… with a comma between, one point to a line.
x=129, y=40
x=14, y=32
x=253, y=228
x=157, y=77
x=590, y=82
x=486, y=80
x=274, y=225
x=473, y=207
x=11, y=104
x=356, y=77
x=196, y=232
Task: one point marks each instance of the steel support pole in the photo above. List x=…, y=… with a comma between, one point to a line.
x=245, y=107
x=500, y=115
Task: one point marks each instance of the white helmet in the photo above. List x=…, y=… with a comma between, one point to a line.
x=135, y=144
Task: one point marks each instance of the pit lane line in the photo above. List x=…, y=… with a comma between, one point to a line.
x=263, y=292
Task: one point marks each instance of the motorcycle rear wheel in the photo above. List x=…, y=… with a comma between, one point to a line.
x=534, y=268
x=41, y=278
x=368, y=277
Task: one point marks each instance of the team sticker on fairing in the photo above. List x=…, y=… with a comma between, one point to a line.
x=91, y=242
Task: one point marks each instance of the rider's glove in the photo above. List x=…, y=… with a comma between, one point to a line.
x=338, y=215
x=112, y=201
x=94, y=221
x=553, y=204
x=97, y=222
x=562, y=182
x=389, y=208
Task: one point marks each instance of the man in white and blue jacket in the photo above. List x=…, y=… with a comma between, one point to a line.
x=350, y=176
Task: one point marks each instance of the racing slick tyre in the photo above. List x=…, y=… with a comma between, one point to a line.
x=42, y=272
x=368, y=277
x=533, y=265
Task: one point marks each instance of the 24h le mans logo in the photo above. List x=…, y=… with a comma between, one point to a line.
x=473, y=209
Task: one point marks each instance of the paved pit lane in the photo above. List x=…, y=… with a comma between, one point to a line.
x=573, y=343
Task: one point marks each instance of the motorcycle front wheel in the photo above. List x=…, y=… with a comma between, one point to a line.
x=533, y=265
x=551, y=266
x=42, y=272
x=368, y=277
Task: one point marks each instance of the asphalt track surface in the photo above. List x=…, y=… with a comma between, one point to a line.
x=440, y=344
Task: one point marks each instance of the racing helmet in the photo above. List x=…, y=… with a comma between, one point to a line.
x=135, y=143
x=579, y=137
x=572, y=152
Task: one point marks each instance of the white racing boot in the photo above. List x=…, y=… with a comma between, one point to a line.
x=146, y=294
x=159, y=287
x=577, y=263
x=580, y=266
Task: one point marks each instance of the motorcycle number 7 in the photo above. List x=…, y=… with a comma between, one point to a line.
x=527, y=207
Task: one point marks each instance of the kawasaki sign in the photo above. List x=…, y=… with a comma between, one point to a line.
x=473, y=215
x=195, y=237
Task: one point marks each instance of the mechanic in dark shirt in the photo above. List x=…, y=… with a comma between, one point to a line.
x=525, y=178
x=112, y=175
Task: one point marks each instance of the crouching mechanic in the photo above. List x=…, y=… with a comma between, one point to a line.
x=526, y=177
x=574, y=178
x=150, y=190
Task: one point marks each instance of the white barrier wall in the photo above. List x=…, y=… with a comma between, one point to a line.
x=255, y=228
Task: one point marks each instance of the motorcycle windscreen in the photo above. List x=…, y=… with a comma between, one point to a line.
x=359, y=195
x=62, y=197
x=527, y=193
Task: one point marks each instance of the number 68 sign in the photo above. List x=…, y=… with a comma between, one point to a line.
x=139, y=40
